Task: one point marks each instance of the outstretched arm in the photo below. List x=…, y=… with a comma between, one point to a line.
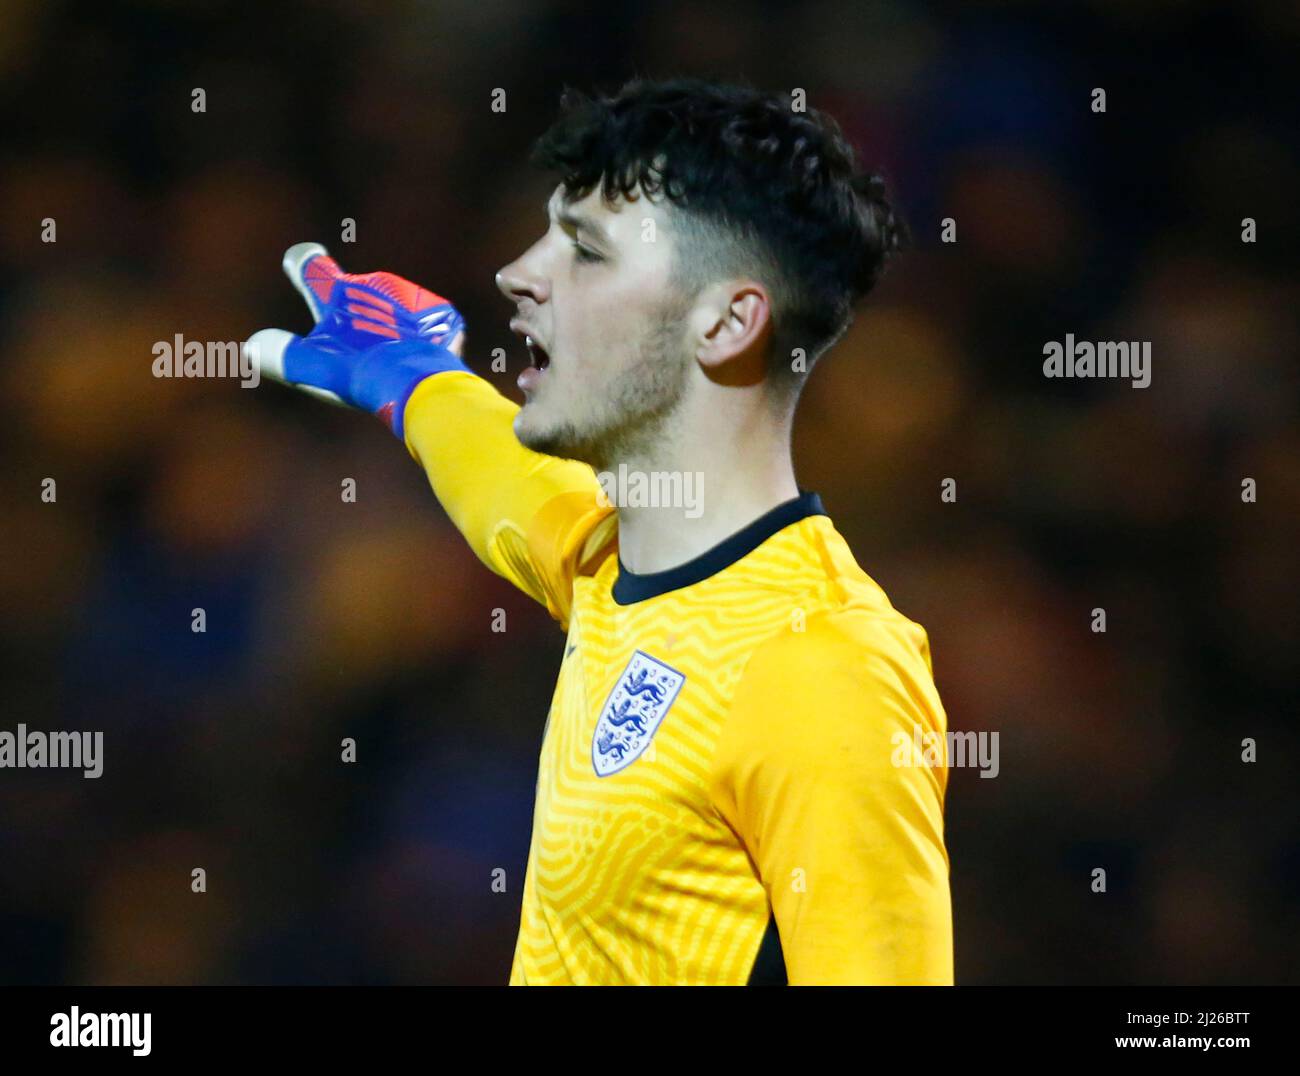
x=388, y=346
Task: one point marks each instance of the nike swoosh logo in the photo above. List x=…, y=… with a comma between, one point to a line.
x=571, y=649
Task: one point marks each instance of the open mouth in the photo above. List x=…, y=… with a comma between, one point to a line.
x=537, y=354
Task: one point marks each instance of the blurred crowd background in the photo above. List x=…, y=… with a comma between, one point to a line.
x=372, y=620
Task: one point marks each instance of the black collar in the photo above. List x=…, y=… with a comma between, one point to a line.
x=630, y=587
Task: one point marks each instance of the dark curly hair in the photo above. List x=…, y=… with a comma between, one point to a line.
x=764, y=191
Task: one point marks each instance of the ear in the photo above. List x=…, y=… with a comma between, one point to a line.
x=732, y=324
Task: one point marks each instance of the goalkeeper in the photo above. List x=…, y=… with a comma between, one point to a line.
x=731, y=775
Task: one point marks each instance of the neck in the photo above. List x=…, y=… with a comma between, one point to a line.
x=691, y=491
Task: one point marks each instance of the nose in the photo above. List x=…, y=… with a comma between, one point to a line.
x=519, y=280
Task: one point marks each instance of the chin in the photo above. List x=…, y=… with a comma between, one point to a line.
x=527, y=429
x=548, y=438
x=536, y=433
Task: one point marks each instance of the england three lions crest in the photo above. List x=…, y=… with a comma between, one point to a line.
x=632, y=713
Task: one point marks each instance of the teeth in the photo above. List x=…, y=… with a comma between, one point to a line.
x=528, y=340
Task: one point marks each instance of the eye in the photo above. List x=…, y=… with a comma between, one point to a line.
x=583, y=254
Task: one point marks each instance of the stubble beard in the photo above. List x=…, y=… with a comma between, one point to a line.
x=639, y=408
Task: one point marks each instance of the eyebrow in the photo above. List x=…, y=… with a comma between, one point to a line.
x=579, y=222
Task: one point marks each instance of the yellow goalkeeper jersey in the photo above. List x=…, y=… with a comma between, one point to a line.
x=744, y=766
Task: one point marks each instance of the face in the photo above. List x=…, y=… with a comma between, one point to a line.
x=607, y=330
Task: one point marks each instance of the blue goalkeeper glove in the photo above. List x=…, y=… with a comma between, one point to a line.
x=377, y=336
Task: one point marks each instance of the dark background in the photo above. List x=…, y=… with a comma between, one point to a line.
x=372, y=619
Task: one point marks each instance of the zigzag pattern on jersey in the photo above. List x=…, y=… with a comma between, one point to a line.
x=703, y=882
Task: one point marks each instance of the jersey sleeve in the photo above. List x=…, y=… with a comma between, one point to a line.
x=536, y=520
x=819, y=773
